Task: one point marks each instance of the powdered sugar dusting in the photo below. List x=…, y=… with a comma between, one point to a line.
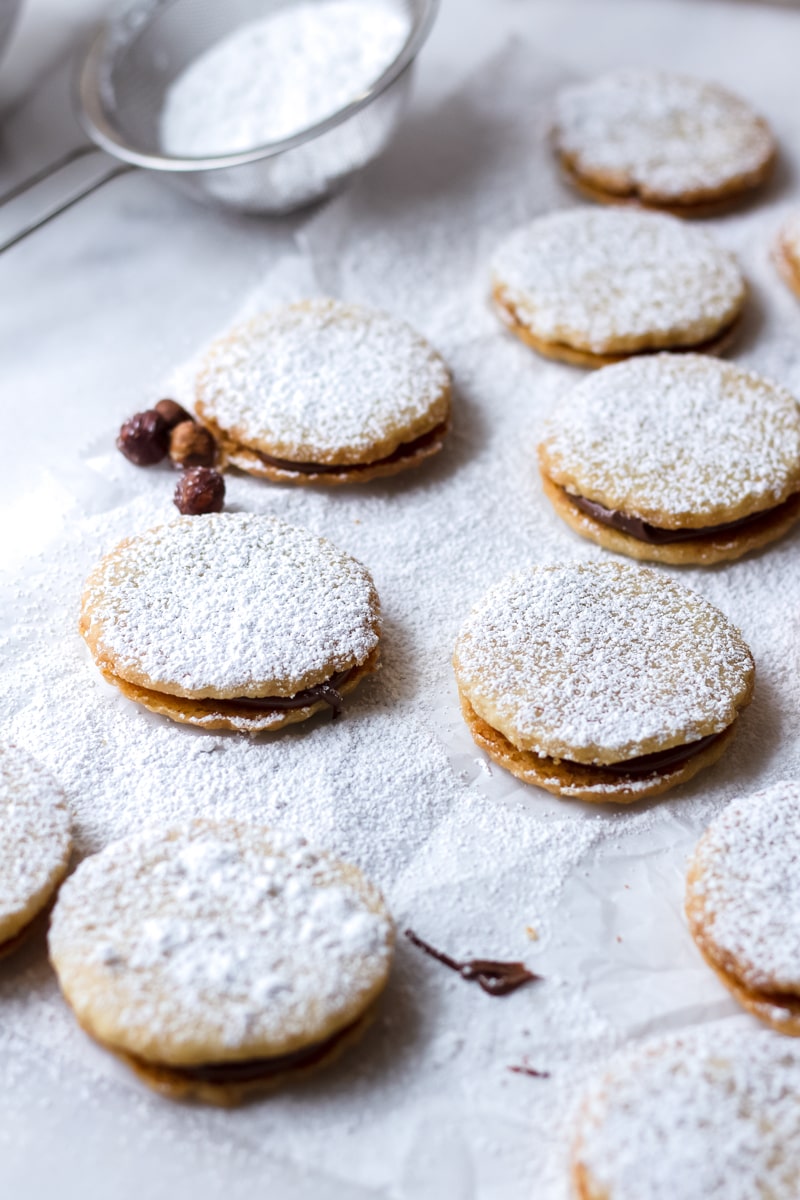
x=232, y=601
x=274, y=77
x=711, y=1113
x=217, y=934
x=669, y=135
x=676, y=436
x=614, y=280
x=746, y=888
x=324, y=379
x=34, y=836
x=600, y=662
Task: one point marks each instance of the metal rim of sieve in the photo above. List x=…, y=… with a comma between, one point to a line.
x=101, y=128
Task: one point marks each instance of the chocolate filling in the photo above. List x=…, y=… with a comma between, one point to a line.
x=643, y=531
x=327, y=691
x=660, y=759
x=405, y=450
x=251, y=1069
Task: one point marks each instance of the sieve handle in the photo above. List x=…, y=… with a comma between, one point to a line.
x=113, y=170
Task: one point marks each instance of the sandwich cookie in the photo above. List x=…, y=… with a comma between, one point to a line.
x=743, y=903
x=232, y=621
x=675, y=458
x=591, y=287
x=787, y=253
x=712, y=1113
x=324, y=392
x=599, y=681
x=219, y=960
x=35, y=845
x=661, y=140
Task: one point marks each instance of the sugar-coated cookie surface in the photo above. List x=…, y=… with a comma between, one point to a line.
x=743, y=902
x=230, y=605
x=711, y=1113
x=597, y=663
x=323, y=383
x=661, y=138
x=35, y=843
x=608, y=282
x=218, y=943
x=683, y=442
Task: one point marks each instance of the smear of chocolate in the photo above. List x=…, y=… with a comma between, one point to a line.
x=643, y=531
x=660, y=759
x=524, y=1069
x=496, y=978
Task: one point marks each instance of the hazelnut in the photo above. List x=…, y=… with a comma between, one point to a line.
x=200, y=490
x=192, y=445
x=144, y=439
x=172, y=413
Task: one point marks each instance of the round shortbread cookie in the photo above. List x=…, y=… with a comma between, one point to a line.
x=210, y=619
x=573, y=676
x=787, y=252
x=710, y=1113
x=220, y=959
x=662, y=140
x=324, y=392
x=743, y=902
x=593, y=286
x=35, y=844
x=675, y=458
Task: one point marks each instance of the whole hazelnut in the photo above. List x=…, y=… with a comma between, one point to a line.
x=192, y=445
x=172, y=412
x=144, y=439
x=200, y=490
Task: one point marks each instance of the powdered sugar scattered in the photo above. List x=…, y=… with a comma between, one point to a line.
x=609, y=281
x=230, y=602
x=666, y=135
x=710, y=1113
x=324, y=380
x=217, y=935
x=676, y=436
x=34, y=838
x=274, y=77
x=746, y=896
x=600, y=663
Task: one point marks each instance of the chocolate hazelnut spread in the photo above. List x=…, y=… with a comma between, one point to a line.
x=496, y=978
x=251, y=1069
x=326, y=691
x=643, y=531
x=660, y=759
x=405, y=450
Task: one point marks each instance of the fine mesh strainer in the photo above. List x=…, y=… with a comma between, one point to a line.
x=136, y=55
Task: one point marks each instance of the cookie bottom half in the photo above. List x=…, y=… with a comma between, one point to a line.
x=215, y=714
x=591, y=783
x=695, y=204
x=787, y=265
x=577, y=357
x=702, y=551
x=779, y=1010
x=277, y=470
x=227, y=1085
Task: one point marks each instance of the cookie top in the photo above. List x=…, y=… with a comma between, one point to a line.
x=713, y=1112
x=743, y=891
x=661, y=136
x=610, y=281
x=323, y=382
x=218, y=942
x=35, y=841
x=600, y=662
x=682, y=441
x=229, y=605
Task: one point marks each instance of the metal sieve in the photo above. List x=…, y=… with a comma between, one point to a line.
x=136, y=55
